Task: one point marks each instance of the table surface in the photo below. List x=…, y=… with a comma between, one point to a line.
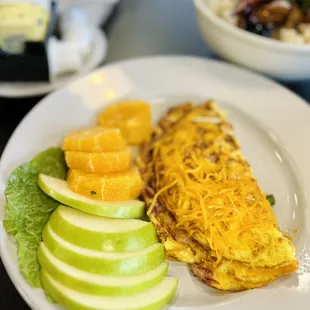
x=137, y=28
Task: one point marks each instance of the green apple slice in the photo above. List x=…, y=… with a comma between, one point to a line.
x=60, y=191
x=101, y=233
x=153, y=299
x=116, y=264
x=98, y=284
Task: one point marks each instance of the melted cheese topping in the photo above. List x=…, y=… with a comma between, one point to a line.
x=204, y=180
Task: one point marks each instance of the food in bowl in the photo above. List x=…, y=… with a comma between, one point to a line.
x=284, y=20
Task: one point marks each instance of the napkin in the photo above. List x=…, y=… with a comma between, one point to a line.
x=77, y=21
x=98, y=11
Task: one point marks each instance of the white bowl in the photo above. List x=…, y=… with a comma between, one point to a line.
x=280, y=60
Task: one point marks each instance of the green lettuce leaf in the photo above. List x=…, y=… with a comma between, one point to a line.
x=28, y=208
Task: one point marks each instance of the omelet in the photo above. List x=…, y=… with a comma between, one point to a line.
x=207, y=206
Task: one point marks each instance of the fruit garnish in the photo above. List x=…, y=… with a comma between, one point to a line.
x=103, y=162
x=118, y=186
x=99, y=259
x=100, y=285
x=60, y=191
x=103, y=263
x=102, y=233
x=155, y=298
x=97, y=139
x=133, y=118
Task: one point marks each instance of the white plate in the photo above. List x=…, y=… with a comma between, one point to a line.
x=275, y=136
x=97, y=55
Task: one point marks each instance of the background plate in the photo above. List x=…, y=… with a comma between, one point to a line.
x=95, y=58
x=271, y=122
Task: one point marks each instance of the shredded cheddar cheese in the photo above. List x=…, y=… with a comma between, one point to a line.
x=204, y=180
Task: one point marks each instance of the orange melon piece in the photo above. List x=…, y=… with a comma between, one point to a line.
x=97, y=139
x=103, y=162
x=133, y=118
x=118, y=186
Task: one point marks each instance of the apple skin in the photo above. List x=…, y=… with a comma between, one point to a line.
x=142, y=301
x=125, y=241
x=110, y=286
x=114, y=264
x=59, y=190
